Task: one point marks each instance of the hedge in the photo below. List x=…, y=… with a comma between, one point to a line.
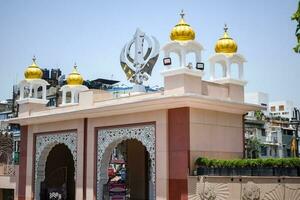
x=253, y=163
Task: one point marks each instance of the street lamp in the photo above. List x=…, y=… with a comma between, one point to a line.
x=295, y=122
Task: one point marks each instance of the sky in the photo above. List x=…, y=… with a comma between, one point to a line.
x=93, y=33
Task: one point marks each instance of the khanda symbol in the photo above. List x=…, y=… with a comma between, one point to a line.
x=139, y=68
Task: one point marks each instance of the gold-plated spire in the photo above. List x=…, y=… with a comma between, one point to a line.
x=33, y=71
x=74, y=78
x=182, y=31
x=226, y=44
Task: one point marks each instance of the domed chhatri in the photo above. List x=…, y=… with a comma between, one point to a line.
x=33, y=71
x=74, y=78
x=74, y=85
x=226, y=44
x=182, y=31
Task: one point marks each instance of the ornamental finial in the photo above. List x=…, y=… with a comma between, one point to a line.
x=75, y=65
x=182, y=14
x=34, y=58
x=225, y=27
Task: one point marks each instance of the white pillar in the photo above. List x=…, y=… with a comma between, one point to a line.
x=212, y=71
x=30, y=90
x=241, y=71
x=182, y=58
x=198, y=56
x=76, y=97
x=224, y=71
x=22, y=91
x=228, y=71
x=72, y=96
x=35, y=91
x=63, y=97
x=44, y=90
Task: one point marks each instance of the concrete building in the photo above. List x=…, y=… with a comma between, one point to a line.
x=271, y=126
x=283, y=109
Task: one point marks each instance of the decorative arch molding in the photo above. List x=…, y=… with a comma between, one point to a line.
x=109, y=138
x=43, y=145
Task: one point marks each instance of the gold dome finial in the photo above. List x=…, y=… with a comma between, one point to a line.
x=33, y=71
x=226, y=44
x=182, y=14
x=182, y=31
x=74, y=78
x=225, y=28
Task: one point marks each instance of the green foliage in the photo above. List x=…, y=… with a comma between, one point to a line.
x=253, y=163
x=201, y=161
x=253, y=146
x=270, y=162
x=296, y=17
x=259, y=114
x=241, y=163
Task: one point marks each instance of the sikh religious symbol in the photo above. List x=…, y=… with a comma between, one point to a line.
x=139, y=68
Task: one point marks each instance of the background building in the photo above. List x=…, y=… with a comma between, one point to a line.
x=270, y=128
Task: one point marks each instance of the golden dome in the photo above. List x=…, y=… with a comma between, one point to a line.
x=226, y=44
x=33, y=71
x=74, y=78
x=182, y=31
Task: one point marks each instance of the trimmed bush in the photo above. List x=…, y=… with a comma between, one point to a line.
x=254, y=167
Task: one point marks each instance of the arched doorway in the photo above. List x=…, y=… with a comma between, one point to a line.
x=59, y=180
x=43, y=146
x=128, y=172
x=142, y=138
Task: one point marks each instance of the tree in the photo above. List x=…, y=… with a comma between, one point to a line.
x=259, y=115
x=296, y=17
x=253, y=146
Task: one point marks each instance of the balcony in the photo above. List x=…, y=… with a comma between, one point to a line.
x=271, y=140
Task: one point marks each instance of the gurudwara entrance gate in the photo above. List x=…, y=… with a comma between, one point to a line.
x=141, y=143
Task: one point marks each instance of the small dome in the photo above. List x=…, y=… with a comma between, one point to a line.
x=74, y=78
x=182, y=31
x=33, y=71
x=226, y=44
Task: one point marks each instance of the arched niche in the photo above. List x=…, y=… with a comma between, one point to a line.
x=43, y=145
x=108, y=139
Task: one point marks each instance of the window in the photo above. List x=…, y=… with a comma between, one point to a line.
x=275, y=152
x=263, y=151
x=263, y=132
x=281, y=108
x=273, y=109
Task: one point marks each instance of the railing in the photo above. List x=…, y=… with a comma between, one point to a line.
x=7, y=170
x=271, y=139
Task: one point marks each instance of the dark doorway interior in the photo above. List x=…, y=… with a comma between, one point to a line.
x=6, y=194
x=59, y=175
x=137, y=160
x=129, y=170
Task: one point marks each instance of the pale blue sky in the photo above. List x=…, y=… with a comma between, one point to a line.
x=92, y=33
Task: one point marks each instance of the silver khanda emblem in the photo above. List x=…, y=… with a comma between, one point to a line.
x=139, y=68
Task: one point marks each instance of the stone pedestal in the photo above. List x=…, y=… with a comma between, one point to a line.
x=235, y=88
x=28, y=105
x=182, y=80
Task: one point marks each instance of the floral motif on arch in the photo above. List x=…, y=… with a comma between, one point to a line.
x=45, y=140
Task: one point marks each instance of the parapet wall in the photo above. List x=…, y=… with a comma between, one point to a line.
x=243, y=188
